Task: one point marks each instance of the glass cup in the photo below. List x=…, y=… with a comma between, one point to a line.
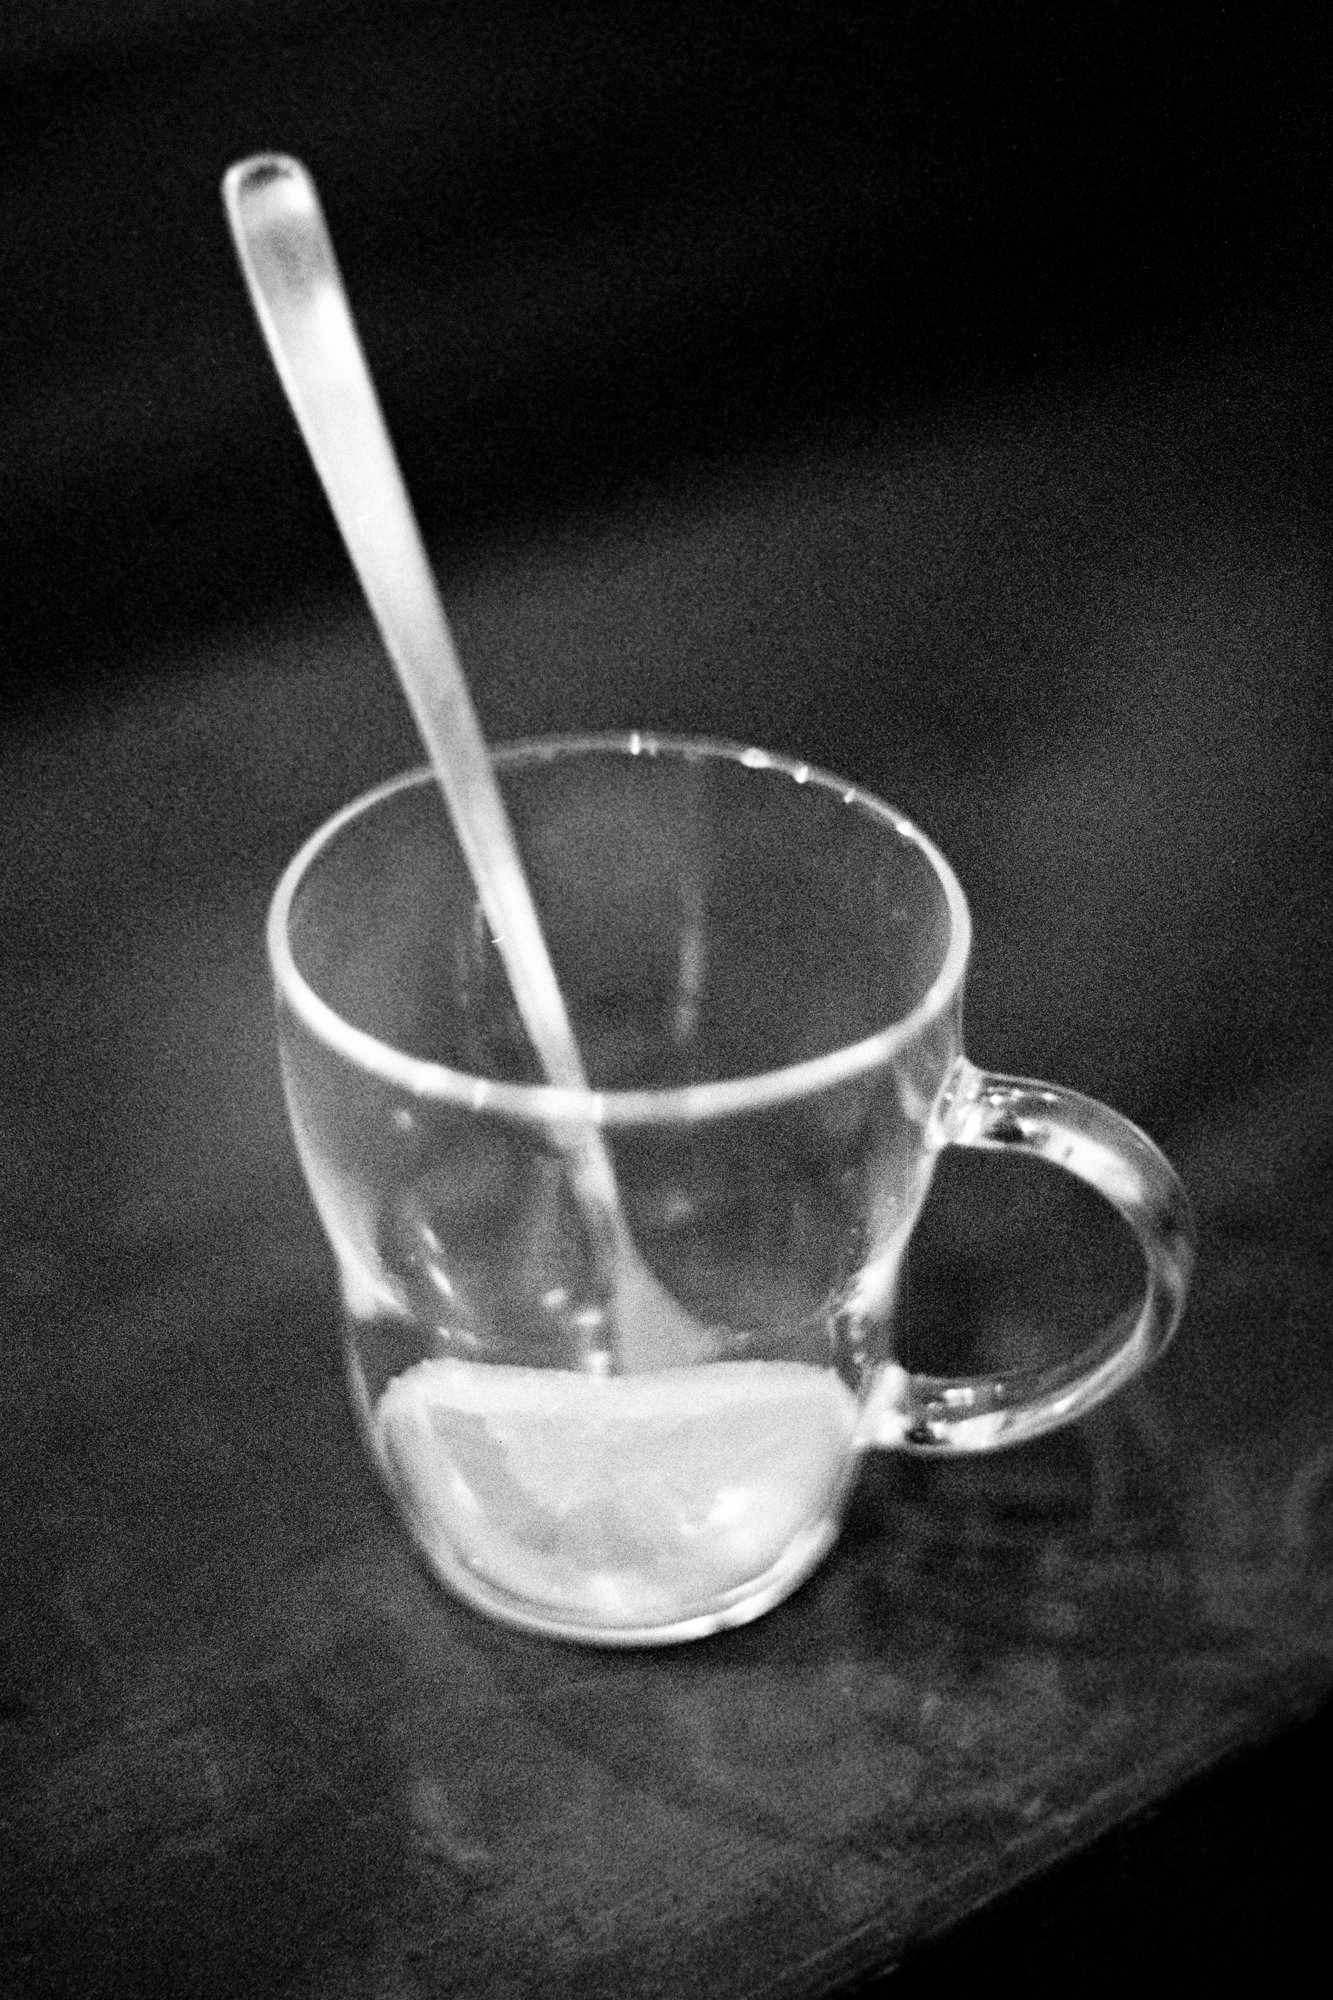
x=764, y=970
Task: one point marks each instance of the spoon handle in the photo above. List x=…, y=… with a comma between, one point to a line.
x=287, y=256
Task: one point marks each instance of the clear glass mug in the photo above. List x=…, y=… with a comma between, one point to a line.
x=764, y=970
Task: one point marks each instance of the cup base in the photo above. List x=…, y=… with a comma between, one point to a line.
x=797, y=1565
x=663, y=1555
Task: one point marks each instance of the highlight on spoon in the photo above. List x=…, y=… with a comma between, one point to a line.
x=287, y=258
x=271, y=201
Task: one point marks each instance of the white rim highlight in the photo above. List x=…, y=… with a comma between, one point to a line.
x=543, y=1104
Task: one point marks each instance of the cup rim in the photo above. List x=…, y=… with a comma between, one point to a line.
x=548, y=1104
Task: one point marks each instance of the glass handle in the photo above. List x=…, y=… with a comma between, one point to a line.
x=939, y=1413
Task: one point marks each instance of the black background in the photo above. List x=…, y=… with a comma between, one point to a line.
x=590, y=251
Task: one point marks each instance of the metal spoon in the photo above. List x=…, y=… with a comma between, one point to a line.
x=297, y=291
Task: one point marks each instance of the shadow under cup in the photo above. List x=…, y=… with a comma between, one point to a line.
x=763, y=969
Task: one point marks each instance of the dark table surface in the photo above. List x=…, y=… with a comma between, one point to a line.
x=1081, y=635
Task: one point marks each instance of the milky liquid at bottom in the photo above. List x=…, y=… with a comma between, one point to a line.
x=625, y=1504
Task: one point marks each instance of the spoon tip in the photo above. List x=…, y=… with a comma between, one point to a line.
x=264, y=176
